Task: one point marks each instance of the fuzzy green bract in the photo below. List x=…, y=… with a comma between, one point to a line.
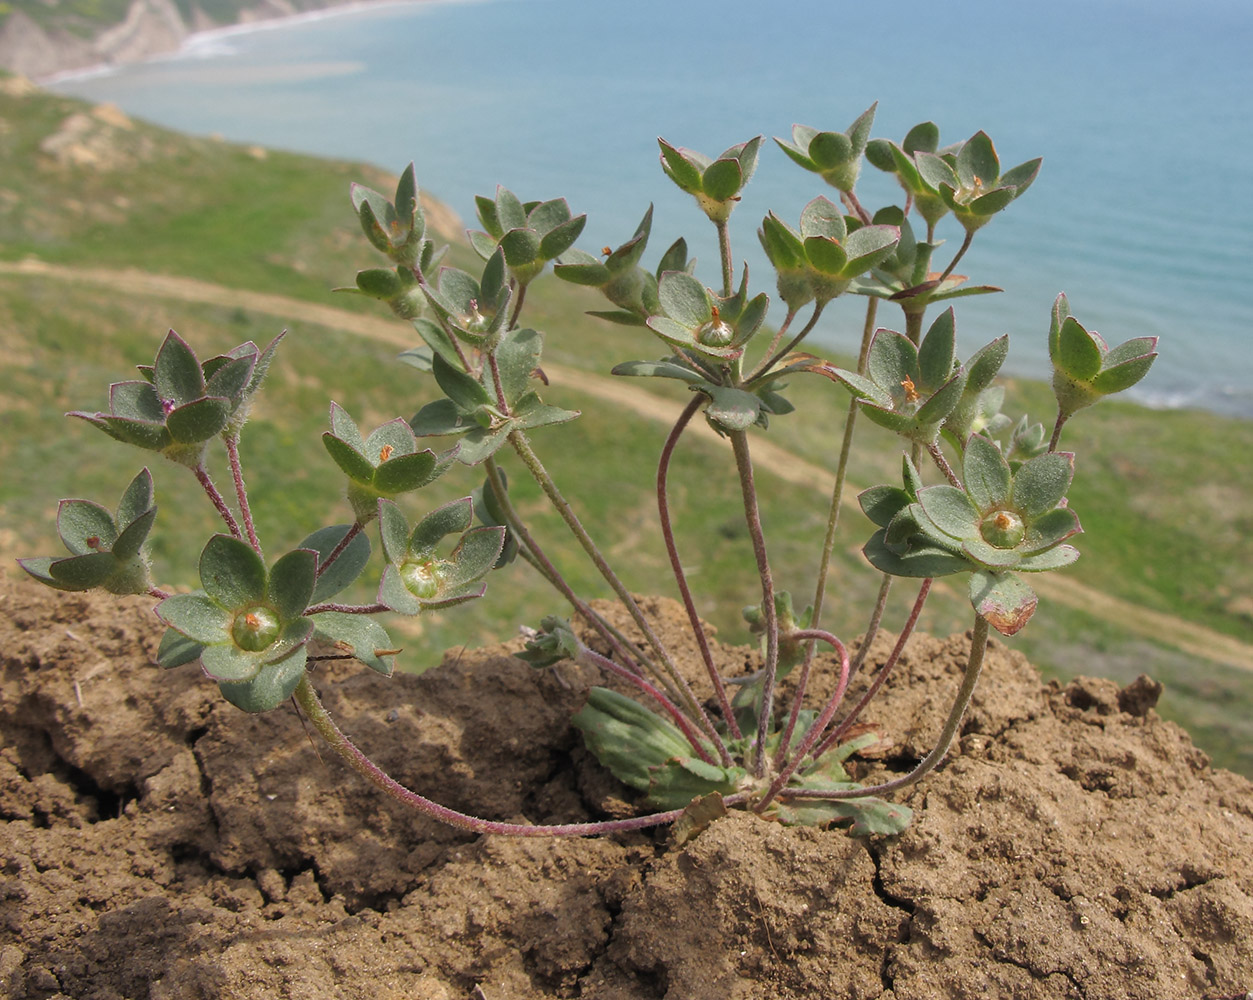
x=1002, y=522
x=106, y=549
x=248, y=621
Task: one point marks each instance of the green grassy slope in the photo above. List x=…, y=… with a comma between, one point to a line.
x=1165, y=497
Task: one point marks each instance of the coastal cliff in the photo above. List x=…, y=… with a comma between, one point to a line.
x=40, y=40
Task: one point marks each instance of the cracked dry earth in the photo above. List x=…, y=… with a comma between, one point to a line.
x=157, y=843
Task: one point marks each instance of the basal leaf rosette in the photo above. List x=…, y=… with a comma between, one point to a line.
x=821, y=260
x=834, y=156
x=1085, y=368
x=386, y=463
x=176, y=410
x=529, y=235
x=710, y=326
x=396, y=226
x=907, y=389
x=417, y=577
x=1002, y=522
x=248, y=621
x=715, y=184
x=106, y=549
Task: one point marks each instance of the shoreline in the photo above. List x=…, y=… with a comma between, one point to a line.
x=206, y=37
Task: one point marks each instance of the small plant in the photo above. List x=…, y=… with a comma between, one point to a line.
x=995, y=507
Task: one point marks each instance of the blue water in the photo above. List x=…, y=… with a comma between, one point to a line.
x=1142, y=213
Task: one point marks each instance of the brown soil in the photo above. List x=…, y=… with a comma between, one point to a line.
x=159, y=844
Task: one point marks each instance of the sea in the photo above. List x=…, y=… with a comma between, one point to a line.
x=1142, y=110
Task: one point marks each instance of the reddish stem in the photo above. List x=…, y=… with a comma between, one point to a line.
x=882, y=676
x=206, y=483
x=676, y=565
x=307, y=699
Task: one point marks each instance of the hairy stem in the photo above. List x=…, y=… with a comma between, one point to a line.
x=523, y=447
x=763, y=369
x=872, y=626
x=820, y=723
x=970, y=236
x=1057, y=430
x=937, y=456
x=530, y=549
x=724, y=254
x=517, y=307
x=353, y=531
x=841, y=468
x=348, y=609
x=908, y=630
x=752, y=515
x=978, y=645
x=321, y=720
x=676, y=564
x=774, y=343
x=206, y=483
x=241, y=492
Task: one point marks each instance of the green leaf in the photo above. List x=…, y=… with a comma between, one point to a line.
x=1040, y=483
x=986, y=474
x=136, y=400
x=517, y=357
x=393, y=593
x=85, y=527
x=1054, y=558
x=407, y=472
x=345, y=428
x=924, y=136
x=365, y=637
x=1049, y=529
x=350, y=461
x=198, y=421
x=439, y=418
x=463, y=389
x=627, y=738
x=291, y=583
x=82, y=572
x=197, y=617
x=893, y=358
x=679, y=169
x=510, y=213
x=272, y=686
x=176, y=372
x=684, y=299
x=176, y=649
x=451, y=519
x=1078, y=353
x=561, y=238
x=347, y=565
x=825, y=255
x=657, y=369
x=919, y=561
x=231, y=573
x=474, y=556
x=136, y=500
x=232, y=379
x=723, y=179
x=882, y=503
x=978, y=159
x=521, y=247
x=986, y=364
x=731, y=409
x=1003, y=599
x=950, y=510
x=935, y=355
x=131, y=540
x=1123, y=376
x=868, y=247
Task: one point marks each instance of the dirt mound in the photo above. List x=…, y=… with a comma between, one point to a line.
x=158, y=844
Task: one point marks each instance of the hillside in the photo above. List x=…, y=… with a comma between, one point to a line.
x=40, y=39
x=114, y=231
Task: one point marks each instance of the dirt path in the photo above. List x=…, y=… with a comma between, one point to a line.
x=1195, y=640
